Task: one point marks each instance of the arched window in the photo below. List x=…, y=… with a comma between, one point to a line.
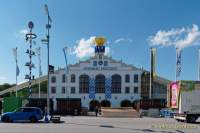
x=127, y=78
x=100, y=84
x=73, y=78
x=116, y=83
x=83, y=84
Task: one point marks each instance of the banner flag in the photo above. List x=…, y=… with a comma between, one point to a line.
x=92, y=88
x=15, y=56
x=38, y=50
x=153, y=62
x=108, y=87
x=178, y=62
x=17, y=71
x=15, y=53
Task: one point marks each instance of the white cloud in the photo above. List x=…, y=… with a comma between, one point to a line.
x=123, y=40
x=85, y=48
x=107, y=51
x=178, y=37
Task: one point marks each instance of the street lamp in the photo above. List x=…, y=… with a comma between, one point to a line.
x=46, y=41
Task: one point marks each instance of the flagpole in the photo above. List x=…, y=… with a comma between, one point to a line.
x=150, y=84
x=65, y=56
x=176, y=67
x=199, y=64
x=16, y=73
x=65, y=50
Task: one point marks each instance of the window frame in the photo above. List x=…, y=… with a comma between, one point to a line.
x=127, y=88
x=74, y=90
x=73, y=78
x=136, y=78
x=136, y=89
x=53, y=90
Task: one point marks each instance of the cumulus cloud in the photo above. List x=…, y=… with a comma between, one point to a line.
x=107, y=51
x=123, y=40
x=85, y=48
x=178, y=37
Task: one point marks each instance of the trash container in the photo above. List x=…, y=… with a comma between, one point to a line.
x=76, y=112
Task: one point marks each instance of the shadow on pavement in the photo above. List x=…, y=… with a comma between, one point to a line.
x=142, y=130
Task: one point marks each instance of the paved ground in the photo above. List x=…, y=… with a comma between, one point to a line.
x=103, y=125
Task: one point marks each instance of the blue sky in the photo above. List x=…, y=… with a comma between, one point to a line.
x=128, y=26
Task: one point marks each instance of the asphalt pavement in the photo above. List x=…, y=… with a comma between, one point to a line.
x=81, y=124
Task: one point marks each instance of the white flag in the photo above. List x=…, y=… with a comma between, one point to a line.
x=15, y=53
x=38, y=50
x=15, y=57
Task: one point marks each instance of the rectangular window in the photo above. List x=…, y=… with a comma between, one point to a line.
x=63, y=90
x=73, y=90
x=53, y=79
x=136, y=78
x=53, y=90
x=94, y=63
x=73, y=78
x=127, y=90
x=127, y=78
x=105, y=63
x=63, y=78
x=136, y=90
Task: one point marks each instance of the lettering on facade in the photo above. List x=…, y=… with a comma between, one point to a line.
x=99, y=68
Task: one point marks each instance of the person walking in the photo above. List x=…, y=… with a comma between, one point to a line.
x=96, y=110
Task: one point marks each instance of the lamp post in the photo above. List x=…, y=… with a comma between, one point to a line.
x=46, y=41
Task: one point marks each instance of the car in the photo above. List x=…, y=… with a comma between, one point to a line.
x=32, y=114
x=167, y=113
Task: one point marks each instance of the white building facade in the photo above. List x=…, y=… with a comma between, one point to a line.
x=101, y=80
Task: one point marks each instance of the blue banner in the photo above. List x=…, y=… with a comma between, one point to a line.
x=108, y=85
x=92, y=88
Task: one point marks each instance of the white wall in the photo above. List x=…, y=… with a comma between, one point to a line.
x=78, y=70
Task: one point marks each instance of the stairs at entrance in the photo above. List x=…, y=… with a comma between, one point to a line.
x=119, y=113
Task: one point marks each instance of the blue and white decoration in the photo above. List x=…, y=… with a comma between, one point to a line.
x=92, y=88
x=100, y=49
x=108, y=88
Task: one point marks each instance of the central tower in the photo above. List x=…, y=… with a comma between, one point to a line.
x=100, y=49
